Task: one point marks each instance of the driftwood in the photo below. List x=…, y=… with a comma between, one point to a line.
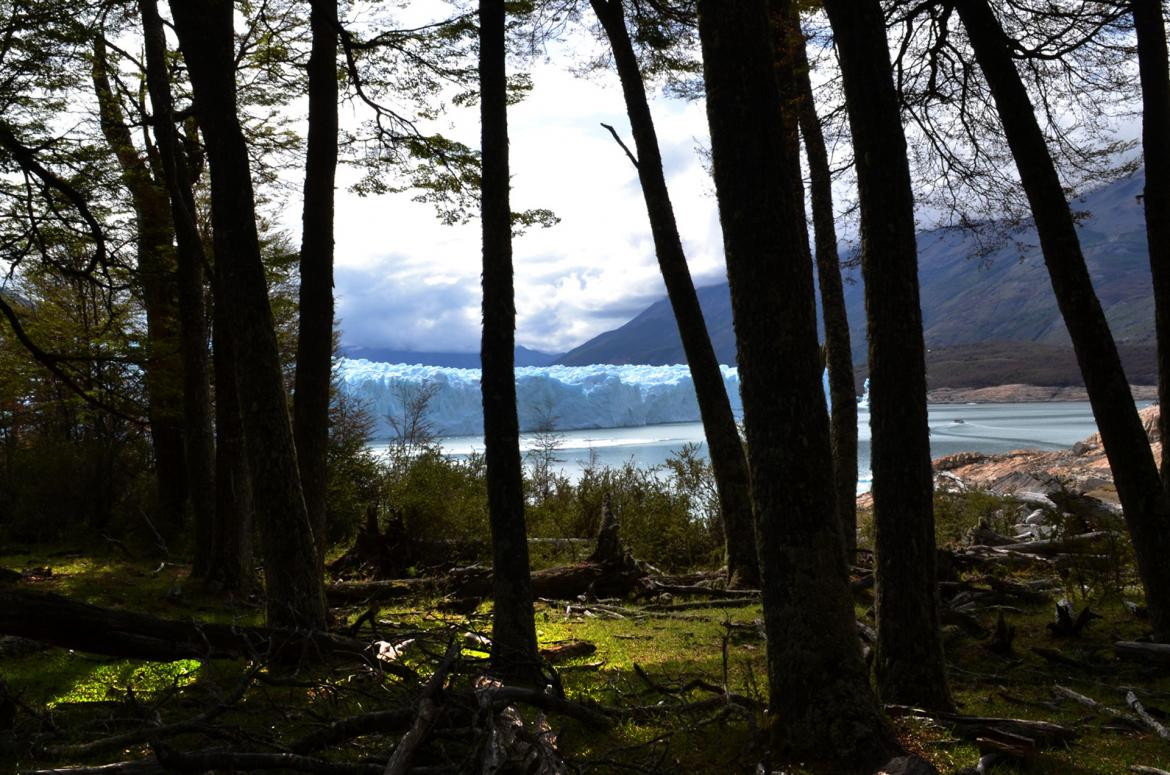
x=1065, y=625
x=1154, y=653
x=1044, y=733
x=61, y=621
x=1098, y=707
x=1066, y=545
x=137, y=767
x=1155, y=726
x=430, y=707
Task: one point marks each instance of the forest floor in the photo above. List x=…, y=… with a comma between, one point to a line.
x=683, y=687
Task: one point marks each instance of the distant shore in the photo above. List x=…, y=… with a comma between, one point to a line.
x=1002, y=394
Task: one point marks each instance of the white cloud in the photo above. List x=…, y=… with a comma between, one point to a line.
x=406, y=281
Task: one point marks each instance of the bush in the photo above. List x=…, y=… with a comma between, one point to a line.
x=438, y=498
x=51, y=488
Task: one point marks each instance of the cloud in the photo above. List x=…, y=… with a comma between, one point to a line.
x=404, y=280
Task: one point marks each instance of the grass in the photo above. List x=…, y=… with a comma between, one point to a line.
x=70, y=697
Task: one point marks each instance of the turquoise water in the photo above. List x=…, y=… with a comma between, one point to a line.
x=953, y=428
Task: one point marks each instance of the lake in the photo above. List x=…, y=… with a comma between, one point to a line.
x=953, y=428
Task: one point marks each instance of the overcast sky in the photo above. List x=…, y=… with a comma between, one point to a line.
x=406, y=281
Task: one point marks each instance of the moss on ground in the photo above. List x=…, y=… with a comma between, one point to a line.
x=68, y=697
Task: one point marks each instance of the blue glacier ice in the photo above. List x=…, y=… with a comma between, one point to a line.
x=573, y=397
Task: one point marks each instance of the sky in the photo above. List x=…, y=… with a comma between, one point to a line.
x=406, y=281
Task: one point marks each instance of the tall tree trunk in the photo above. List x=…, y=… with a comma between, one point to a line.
x=231, y=549
x=1153, y=64
x=838, y=347
x=292, y=575
x=820, y=701
x=1147, y=512
x=156, y=274
x=200, y=442
x=727, y=456
x=513, y=625
x=909, y=662
x=315, y=332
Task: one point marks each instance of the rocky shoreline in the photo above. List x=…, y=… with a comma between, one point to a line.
x=1003, y=394
x=1083, y=468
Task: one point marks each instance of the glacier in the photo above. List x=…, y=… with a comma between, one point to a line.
x=560, y=397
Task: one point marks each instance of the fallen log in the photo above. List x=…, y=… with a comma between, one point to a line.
x=1098, y=707
x=560, y=652
x=1066, y=545
x=1044, y=733
x=609, y=572
x=61, y=621
x=1155, y=726
x=1155, y=653
x=148, y=766
x=564, y=582
x=430, y=708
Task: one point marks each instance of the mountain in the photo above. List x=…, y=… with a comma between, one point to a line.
x=524, y=357
x=975, y=302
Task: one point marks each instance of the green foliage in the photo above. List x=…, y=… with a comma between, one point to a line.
x=438, y=498
x=957, y=512
x=353, y=472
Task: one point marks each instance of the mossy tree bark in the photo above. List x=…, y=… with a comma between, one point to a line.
x=1153, y=65
x=200, y=440
x=514, y=654
x=163, y=370
x=820, y=699
x=909, y=657
x=232, y=552
x=727, y=455
x=1135, y=473
x=315, y=332
x=292, y=574
x=838, y=347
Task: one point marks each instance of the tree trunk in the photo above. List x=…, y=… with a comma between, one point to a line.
x=513, y=627
x=231, y=551
x=727, y=456
x=200, y=441
x=1139, y=488
x=1153, y=64
x=293, y=578
x=315, y=334
x=838, y=347
x=820, y=700
x=156, y=274
x=909, y=659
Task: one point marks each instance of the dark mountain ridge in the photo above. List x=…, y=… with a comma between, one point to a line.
x=977, y=305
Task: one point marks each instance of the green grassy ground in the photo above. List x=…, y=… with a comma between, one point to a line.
x=67, y=698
